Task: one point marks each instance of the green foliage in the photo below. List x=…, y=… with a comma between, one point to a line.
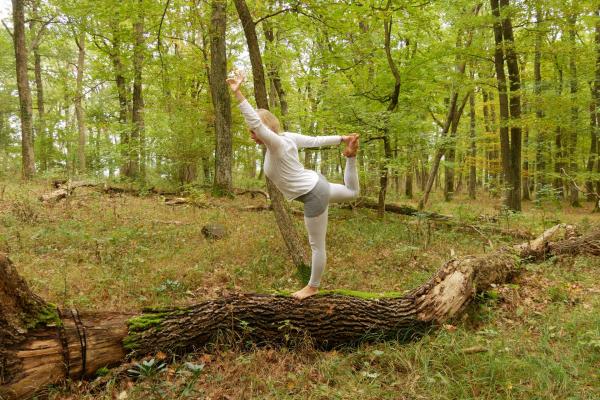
x=147, y=369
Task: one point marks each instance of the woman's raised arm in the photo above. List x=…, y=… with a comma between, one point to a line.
x=271, y=139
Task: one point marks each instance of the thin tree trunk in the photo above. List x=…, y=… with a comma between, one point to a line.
x=324, y=162
x=79, y=112
x=28, y=158
x=45, y=139
x=489, y=177
x=541, y=137
x=450, y=153
x=137, y=155
x=596, y=112
x=387, y=149
x=221, y=100
x=275, y=78
x=282, y=216
x=123, y=96
x=526, y=172
x=460, y=69
x=408, y=183
x=559, y=155
x=572, y=141
x=593, y=156
x=473, y=148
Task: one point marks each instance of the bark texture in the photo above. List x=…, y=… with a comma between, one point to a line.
x=221, y=100
x=28, y=159
x=510, y=107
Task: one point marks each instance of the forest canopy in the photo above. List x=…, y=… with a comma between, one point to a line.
x=500, y=96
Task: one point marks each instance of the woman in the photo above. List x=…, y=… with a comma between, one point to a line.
x=286, y=171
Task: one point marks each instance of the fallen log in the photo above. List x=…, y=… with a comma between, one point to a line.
x=444, y=219
x=365, y=202
x=65, y=188
x=252, y=192
x=40, y=345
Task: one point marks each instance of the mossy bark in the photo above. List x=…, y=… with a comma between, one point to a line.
x=333, y=319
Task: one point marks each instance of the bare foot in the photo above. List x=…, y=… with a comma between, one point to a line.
x=351, y=146
x=307, y=291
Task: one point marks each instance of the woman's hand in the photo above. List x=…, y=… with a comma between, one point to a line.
x=236, y=80
x=346, y=139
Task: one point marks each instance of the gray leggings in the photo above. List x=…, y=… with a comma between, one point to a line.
x=316, y=212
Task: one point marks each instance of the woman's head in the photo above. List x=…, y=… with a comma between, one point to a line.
x=269, y=120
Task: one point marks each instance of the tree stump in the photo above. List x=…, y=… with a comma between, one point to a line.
x=214, y=231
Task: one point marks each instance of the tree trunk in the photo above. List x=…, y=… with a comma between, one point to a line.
x=593, y=157
x=282, y=217
x=505, y=145
x=137, y=156
x=559, y=155
x=274, y=76
x=28, y=158
x=526, y=173
x=221, y=100
x=45, y=139
x=123, y=96
x=450, y=153
x=473, y=148
x=72, y=344
x=408, y=183
x=489, y=176
x=572, y=140
x=460, y=69
x=595, y=115
x=387, y=150
x=79, y=112
x=514, y=156
x=541, y=137
x=383, y=175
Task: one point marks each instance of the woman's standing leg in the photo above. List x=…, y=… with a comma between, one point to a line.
x=317, y=232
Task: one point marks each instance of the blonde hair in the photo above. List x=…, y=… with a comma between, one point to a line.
x=269, y=120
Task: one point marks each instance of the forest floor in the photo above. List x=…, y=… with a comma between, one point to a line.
x=537, y=337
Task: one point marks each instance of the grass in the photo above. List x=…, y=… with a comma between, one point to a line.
x=538, y=336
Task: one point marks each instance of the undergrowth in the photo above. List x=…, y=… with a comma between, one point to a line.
x=537, y=337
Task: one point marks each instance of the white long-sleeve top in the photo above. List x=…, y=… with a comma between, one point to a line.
x=282, y=164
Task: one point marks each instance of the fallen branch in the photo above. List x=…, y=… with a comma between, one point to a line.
x=63, y=190
x=66, y=188
x=365, y=202
x=40, y=346
x=447, y=220
x=252, y=192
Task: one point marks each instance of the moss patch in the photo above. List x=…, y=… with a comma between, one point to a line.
x=145, y=321
x=47, y=315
